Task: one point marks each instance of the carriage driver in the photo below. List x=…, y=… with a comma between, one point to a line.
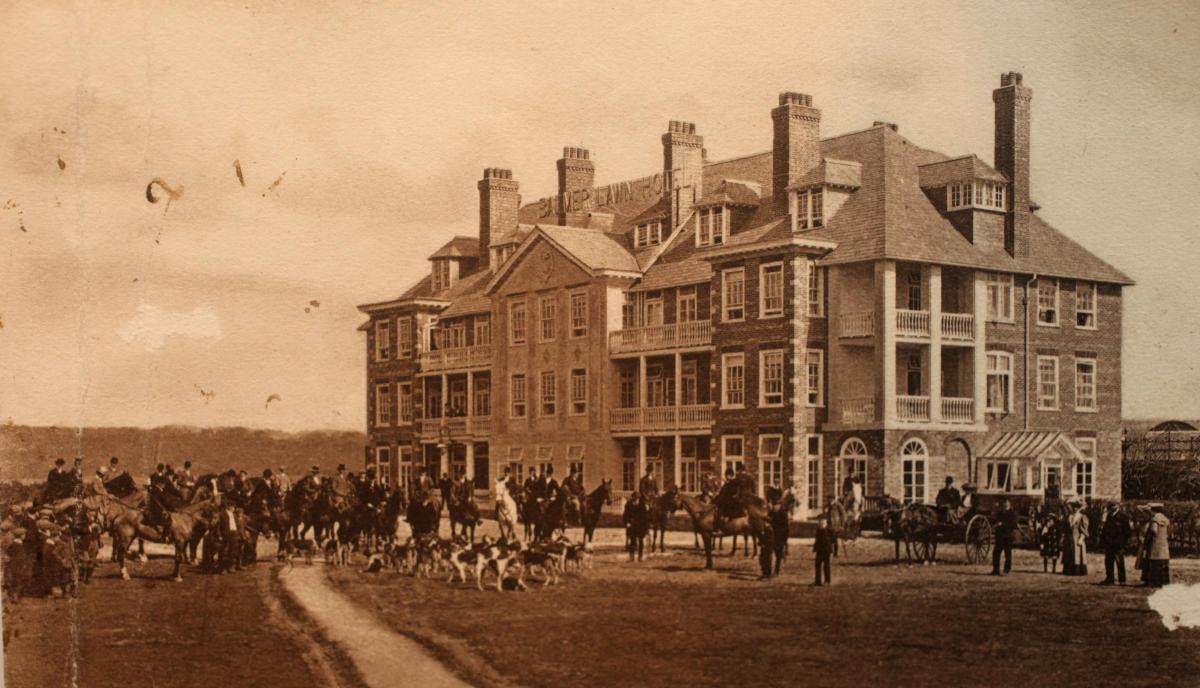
x=948, y=500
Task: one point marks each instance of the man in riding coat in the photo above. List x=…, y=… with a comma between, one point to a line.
x=648, y=485
x=339, y=485
x=572, y=484
x=531, y=486
x=57, y=482
x=551, y=488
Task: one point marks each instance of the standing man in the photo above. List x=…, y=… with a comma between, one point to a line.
x=1114, y=533
x=637, y=524
x=1006, y=529
x=823, y=546
x=648, y=485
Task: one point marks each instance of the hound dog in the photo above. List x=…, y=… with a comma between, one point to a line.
x=546, y=559
x=499, y=557
x=401, y=557
x=298, y=547
x=463, y=558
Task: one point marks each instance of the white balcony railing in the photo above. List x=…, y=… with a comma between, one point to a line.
x=912, y=323
x=959, y=327
x=856, y=411
x=956, y=410
x=860, y=324
x=693, y=417
x=693, y=333
x=455, y=428
x=912, y=408
x=461, y=357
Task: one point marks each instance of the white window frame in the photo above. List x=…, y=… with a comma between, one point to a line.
x=810, y=209
x=1045, y=403
x=482, y=390
x=383, y=404
x=819, y=389
x=1007, y=375
x=733, y=359
x=383, y=339
x=1056, y=309
x=655, y=305
x=547, y=393
x=770, y=463
x=774, y=270
x=816, y=291
x=1080, y=289
x=708, y=232
x=648, y=234
x=1094, y=407
x=547, y=318
x=1000, y=284
x=990, y=470
x=914, y=455
x=770, y=360
x=383, y=457
x=857, y=458
x=518, y=395
x=1087, y=446
x=687, y=302
x=483, y=330
x=579, y=391
x=813, y=471
x=404, y=403
x=406, y=465
x=579, y=314
x=404, y=338
x=518, y=322
x=737, y=312
x=730, y=459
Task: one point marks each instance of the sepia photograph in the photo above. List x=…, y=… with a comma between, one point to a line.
x=374, y=345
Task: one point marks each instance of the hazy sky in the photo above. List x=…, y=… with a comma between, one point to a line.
x=380, y=119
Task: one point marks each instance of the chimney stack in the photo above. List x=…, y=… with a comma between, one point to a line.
x=683, y=168
x=1012, y=158
x=498, y=205
x=576, y=172
x=797, y=143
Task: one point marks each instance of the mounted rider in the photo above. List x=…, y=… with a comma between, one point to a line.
x=648, y=486
x=550, y=485
x=573, y=483
x=531, y=485
x=58, y=483
x=164, y=497
x=339, y=488
x=729, y=498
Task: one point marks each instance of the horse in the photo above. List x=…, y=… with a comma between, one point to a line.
x=529, y=513
x=423, y=516
x=592, y=506
x=661, y=508
x=124, y=523
x=781, y=505
x=506, y=513
x=844, y=524
x=464, y=512
x=917, y=525
x=756, y=521
x=552, y=515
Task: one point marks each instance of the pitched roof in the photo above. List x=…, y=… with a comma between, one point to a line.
x=967, y=167
x=1028, y=444
x=596, y=249
x=733, y=192
x=458, y=247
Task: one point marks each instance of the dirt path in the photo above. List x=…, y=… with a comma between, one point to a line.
x=382, y=656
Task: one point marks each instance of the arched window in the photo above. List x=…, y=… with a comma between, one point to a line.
x=850, y=464
x=915, y=471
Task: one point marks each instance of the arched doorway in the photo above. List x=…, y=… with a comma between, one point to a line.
x=914, y=472
x=960, y=461
x=851, y=462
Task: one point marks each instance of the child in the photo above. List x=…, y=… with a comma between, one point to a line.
x=637, y=523
x=822, y=548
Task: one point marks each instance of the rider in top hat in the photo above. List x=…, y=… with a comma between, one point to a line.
x=551, y=485
x=339, y=484
x=648, y=485
x=531, y=484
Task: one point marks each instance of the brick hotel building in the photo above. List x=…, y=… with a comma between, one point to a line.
x=836, y=304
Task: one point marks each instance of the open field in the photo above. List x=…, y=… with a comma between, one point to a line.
x=665, y=622
x=206, y=631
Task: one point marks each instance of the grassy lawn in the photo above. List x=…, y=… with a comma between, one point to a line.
x=666, y=622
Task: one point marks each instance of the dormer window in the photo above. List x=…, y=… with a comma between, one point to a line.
x=713, y=226
x=648, y=234
x=976, y=194
x=441, y=274
x=810, y=209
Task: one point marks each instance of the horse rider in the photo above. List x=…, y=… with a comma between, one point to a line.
x=58, y=482
x=339, y=486
x=446, y=487
x=502, y=484
x=96, y=485
x=531, y=484
x=856, y=496
x=729, y=497
x=163, y=496
x=551, y=485
x=948, y=501
x=186, y=476
x=283, y=482
x=572, y=483
x=648, y=485
x=76, y=476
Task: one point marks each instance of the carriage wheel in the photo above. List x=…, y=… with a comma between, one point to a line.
x=921, y=548
x=978, y=539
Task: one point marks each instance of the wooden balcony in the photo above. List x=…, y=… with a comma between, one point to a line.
x=460, y=358
x=456, y=429
x=857, y=411
x=958, y=327
x=674, y=336
x=856, y=325
x=912, y=323
x=957, y=410
x=661, y=418
x=912, y=409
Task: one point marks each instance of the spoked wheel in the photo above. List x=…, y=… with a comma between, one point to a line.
x=922, y=549
x=978, y=539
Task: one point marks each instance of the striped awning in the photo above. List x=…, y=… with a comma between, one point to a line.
x=1029, y=444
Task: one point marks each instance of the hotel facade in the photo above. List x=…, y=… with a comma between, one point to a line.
x=836, y=305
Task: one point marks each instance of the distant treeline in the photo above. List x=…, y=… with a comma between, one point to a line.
x=28, y=452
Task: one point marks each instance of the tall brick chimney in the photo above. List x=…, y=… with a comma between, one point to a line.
x=498, y=205
x=1012, y=158
x=576, y=172
x=797, y=143
x=683, y=168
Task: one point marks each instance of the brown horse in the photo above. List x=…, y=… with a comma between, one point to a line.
x=591, y=507
x=661, y=508
x=464, y=512
x=553, y=515
x=124, y=523
x=845, y=524
x=756, y=522
x=917, y=525
x=781, y=504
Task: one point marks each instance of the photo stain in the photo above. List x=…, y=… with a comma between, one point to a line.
x=61, y=164
x=274, y=184
x=208, y=395
x=173, y=193
x=13, y=205
x=273, y=397
x=237, y=167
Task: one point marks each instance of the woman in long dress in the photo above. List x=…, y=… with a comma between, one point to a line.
x=1075, y=551
x=1157, y=572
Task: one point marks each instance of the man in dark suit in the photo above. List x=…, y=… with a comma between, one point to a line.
x=1114, y=533
x=1005, y=530
x=637, y=524
x=57, y=482
x=822, y=550
x=648, y=485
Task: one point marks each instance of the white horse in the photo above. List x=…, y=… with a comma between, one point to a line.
x=506, y=511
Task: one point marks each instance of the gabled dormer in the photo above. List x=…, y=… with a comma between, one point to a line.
x=725, y=210
x=450, y=263
x=971, y=195
x=820, y=193
x=652, y=226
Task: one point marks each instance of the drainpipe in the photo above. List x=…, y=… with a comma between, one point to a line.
x=1026, y=363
